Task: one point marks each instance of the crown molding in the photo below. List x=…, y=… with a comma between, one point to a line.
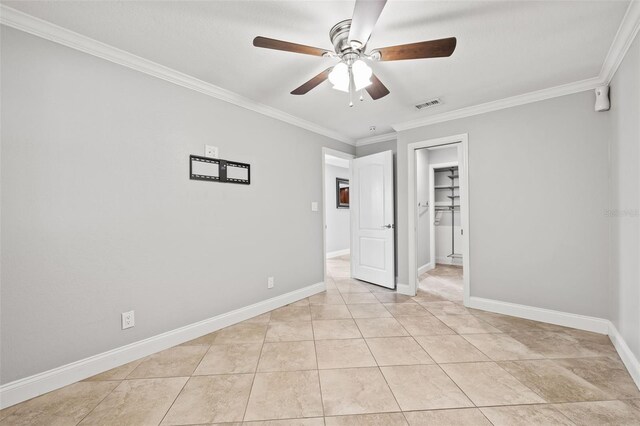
x=527, y=98
x=625, y=35
x=377, y=138
x=49, y=31
x=622, y=41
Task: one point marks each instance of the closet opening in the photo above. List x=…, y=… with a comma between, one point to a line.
x=440, y=220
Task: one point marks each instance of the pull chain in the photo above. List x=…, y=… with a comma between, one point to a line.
x=351, y=87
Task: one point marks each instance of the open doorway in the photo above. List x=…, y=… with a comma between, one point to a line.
x=336, y=213
x=439, y=237
x=439, y=206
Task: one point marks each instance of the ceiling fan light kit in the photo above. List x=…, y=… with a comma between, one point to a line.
x=349, y=39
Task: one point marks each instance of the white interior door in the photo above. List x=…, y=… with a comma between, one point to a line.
x=372, y=224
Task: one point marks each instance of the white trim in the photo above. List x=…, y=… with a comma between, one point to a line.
x=404, y=289
x=624, y=37
x=447, y=261
x=335, y=161
x=38, y=384
x=463, y=167
x=527, y=98
x=582, y=322
x=377, y=138
x=44, y=29
x=338, y=253
x=621, y=42
x=627, y=31
x=628, y=358
x=426, y=267
x=339, y=154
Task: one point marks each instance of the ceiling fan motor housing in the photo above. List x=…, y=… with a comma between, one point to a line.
x=339, y=36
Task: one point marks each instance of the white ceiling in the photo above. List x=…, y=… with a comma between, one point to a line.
x=505, y=48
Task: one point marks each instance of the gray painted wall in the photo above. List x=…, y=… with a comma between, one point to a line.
x=338, y=220
x=538, y=184
x=99, y=217
x=374, y=148
x=624, y=201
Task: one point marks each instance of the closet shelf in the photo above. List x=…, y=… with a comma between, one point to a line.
x=452, y=206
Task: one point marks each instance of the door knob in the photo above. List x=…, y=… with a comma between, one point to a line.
x=390, y=226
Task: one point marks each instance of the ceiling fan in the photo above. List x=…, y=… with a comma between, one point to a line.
x=349, y=37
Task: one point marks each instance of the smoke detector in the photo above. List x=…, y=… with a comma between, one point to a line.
x=428, y=104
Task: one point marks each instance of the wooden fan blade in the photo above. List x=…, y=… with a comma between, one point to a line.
x=306, y=87
x=271, y=43
x=365, y=16
x=376, y=89
x=424, y=49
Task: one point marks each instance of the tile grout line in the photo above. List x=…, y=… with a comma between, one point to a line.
x=185, y=383
x=457, y=385
x=545, y=402
x=174, y=400
x=379, y=369
x=255, y=372
x=100, y=402
x=315, y=349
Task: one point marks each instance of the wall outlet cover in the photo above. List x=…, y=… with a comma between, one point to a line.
x=128, y=320
x=211, y=151
x=314, y=206
x=270, y=282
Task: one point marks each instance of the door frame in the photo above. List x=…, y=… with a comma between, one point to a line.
x=432, y=209
x=412, y=209
x=328, y=151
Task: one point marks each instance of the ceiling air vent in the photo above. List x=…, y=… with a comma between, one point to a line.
x=429, y=104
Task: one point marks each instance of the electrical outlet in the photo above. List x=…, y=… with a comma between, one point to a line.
x=211, y=151
x=314, y=206
x=128, y=319
x=270, y=282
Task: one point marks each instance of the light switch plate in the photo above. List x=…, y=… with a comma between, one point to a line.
x=211, y=151
x=314, y=206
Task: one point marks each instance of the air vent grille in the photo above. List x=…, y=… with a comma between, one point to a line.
x=429, y=104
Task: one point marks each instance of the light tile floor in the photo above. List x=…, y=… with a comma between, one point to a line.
x=359, y=354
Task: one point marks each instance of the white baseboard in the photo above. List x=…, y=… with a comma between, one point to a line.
x=337, y=253
x=38, y=384
x=581, y=322
x=404, y=289
x=449, y=261
x=424, y=268
x=628, y=358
